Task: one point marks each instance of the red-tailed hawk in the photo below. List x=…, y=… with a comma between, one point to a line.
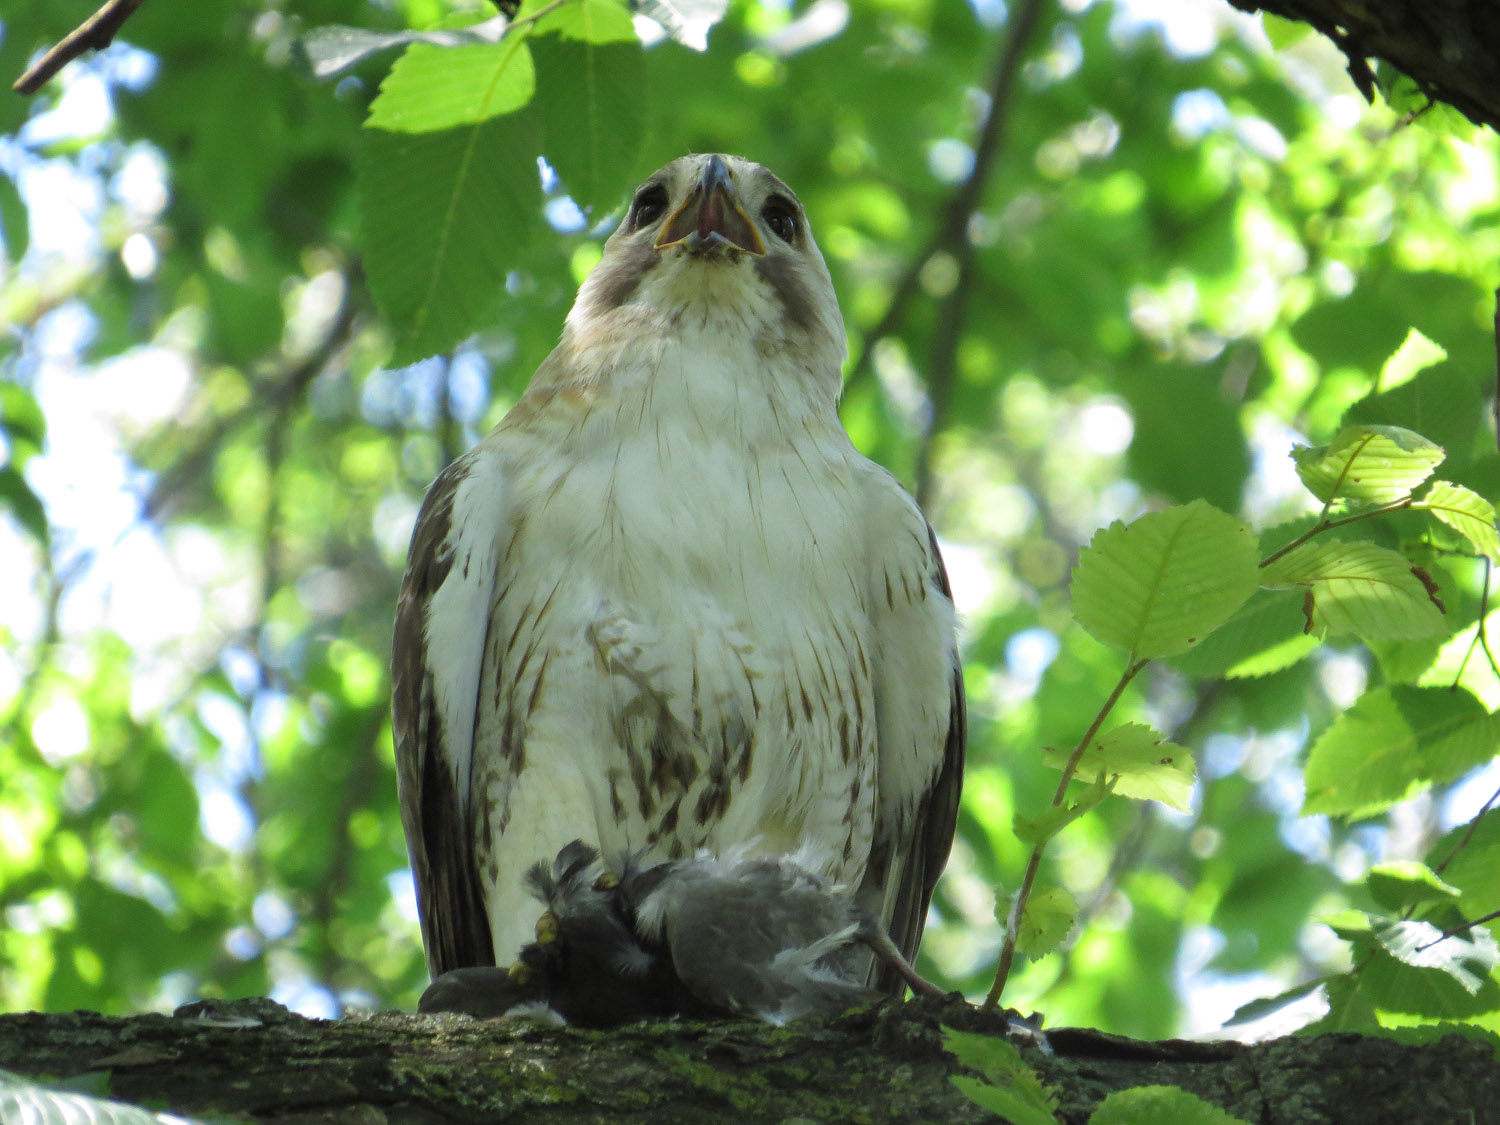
x=665, y=606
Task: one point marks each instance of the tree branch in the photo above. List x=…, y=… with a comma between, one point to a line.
x=1451, y=48
x=94, y=33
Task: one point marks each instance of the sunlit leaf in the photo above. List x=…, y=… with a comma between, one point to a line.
x=1160, y=585
x=1148, y=1104
x=1359, y=589
x=1468, y=513
x=1139, y=762
x=1009, y=1086
x=435, y=88
x=1466, y=960
x=590, y=21
x=1391, y=743
x=1053, y=819
x=1045, y=923
x=1283, y=33
x=1370, y=464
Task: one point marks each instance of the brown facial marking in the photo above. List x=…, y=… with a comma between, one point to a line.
x=783, y=274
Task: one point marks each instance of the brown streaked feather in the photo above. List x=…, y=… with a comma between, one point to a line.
x=450, y=899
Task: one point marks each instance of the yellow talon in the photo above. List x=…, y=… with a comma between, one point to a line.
x=607, y=882
x=546, y=928
x=520, y=972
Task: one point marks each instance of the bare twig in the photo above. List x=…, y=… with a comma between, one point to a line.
x=93, y=34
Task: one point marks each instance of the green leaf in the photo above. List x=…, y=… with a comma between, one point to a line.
x=1393, y=742
x=1009, y=1087
x=1160, y=585
x=1414, y=969
x=1282, y=32
x=1265, y=635
x=1359, y=589
x=1152, y=1105
x=1370, y=464
x=444, y=216
x=590, y=21
x=1469, y=856
x=1139, y=763
x=23, y=504
x=1402, y=883
x=591, y=97
x=1049, y=915
x=1416, y=354
x=435, y=88
x=1039, y=829
x=1467, y=512
x=15, y=223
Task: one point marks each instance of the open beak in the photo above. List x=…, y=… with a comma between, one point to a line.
x=711, y=218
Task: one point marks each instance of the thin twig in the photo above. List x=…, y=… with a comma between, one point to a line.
x=1033, y=865
x=94, y=33
x=1325, y=524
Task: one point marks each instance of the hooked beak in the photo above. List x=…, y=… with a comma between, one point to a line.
x=711, y=218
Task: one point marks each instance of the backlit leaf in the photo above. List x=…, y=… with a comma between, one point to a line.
x=435, y=88
x=1371, y=464
x=1161, y=584
x=1393, y=742
x=1139, y=762
x=1467, y=512
x=1359, y=589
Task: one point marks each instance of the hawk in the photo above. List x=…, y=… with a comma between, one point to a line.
x=665, y=606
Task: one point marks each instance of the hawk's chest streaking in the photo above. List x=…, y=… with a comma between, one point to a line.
x=665, y=605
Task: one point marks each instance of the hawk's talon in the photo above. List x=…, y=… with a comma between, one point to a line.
x=546, y=928
x=520, y=972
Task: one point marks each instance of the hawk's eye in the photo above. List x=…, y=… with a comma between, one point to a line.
x=780, y=215
x=649, y=205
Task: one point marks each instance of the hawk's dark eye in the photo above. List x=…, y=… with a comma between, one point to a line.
x=650, y=204
x=780, y=215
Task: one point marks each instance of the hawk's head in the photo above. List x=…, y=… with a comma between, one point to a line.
x=719, y=241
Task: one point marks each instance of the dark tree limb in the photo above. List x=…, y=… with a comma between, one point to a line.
x=93, y=34
x=254, y=1060
x=1451, y=48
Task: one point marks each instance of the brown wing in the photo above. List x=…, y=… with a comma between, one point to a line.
x=450, y=898
x=912, y=853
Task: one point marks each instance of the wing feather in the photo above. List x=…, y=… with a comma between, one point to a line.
x=437, y=654
x=921, y=734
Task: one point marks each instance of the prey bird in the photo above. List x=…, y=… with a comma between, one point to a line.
x=666, y=607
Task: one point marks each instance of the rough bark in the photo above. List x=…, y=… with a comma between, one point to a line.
x=254, y=1060
x=1451, y=48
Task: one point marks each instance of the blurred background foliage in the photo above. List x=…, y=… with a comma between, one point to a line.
x=1189, y=251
